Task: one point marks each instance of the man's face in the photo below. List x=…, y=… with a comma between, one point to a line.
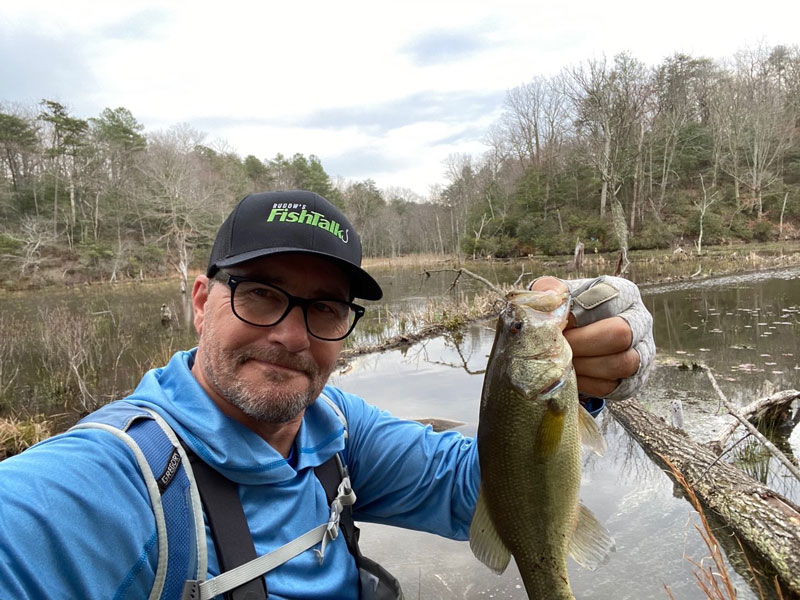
x=268, y=373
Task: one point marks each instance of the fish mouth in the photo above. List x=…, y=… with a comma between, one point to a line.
x=518, y=318
x=538, y=306
x=546, y=302
x=552, y=389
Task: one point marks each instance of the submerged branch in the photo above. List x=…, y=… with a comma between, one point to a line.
x=407, y=339
x=462, y=271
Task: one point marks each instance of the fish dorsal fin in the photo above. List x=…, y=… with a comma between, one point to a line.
x=589, y=432
x=591, y=542
x=486, y=545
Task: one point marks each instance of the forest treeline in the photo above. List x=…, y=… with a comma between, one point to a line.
x=611, y=152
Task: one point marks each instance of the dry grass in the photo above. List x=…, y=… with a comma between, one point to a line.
x=451, y=311
x=10, y=347
x=411, y=260
x=18, y=434
x=711, y=573
x=439, y=312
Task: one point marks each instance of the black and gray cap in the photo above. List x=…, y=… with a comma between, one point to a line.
x=292, y=221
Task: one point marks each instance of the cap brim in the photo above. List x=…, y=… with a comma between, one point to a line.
x=362, y=284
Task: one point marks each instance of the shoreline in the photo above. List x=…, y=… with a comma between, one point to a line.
x=736, y=253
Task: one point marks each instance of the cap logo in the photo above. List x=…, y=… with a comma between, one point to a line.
x=287, y=213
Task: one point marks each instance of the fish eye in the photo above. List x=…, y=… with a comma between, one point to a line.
x=517, y=325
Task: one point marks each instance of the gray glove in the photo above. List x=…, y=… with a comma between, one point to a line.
x=604, y=297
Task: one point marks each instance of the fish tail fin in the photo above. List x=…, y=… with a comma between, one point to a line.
x=591, y=542
x=589, y=432
x=484, y=541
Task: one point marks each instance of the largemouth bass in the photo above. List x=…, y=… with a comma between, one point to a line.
x=529, y=443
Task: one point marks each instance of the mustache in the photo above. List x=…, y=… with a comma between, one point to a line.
x=278, y=357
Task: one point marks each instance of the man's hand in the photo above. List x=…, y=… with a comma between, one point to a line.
x=610, y=332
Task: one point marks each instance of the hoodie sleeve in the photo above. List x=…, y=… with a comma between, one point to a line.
x=405, y=474
x=75, y=521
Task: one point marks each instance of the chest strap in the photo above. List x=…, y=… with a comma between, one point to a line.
x=242, y=572
x=225, y=515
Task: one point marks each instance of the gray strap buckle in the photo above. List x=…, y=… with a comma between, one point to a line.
x=345, y=497
x=191, y=590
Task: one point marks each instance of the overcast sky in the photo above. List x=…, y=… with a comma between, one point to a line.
x=381, y=90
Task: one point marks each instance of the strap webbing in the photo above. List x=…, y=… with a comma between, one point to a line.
x=241, y=573
x=232, y=540
x=233, y=579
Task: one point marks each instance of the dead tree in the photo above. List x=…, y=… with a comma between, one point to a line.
x=766, y=521
x=761, y=410
x=577, y=258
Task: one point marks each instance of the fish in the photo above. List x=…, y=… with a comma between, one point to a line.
x=530, y=430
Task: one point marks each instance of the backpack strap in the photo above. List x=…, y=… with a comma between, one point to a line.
x=240, y=569
x=253, y=570
x=168, y=473
x=332, y=474
x=233, y=542
x=173, y=493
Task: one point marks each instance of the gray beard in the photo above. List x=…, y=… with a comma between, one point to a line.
x=265, y=406
x=275, y=408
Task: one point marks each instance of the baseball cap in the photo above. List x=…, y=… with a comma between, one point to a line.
x=292, y=221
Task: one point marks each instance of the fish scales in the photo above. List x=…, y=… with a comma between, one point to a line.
x=529, y=448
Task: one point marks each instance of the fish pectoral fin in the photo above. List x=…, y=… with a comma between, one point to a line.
x=484, y=541
x=589, y=432
x=591, y=542
x=548, y=437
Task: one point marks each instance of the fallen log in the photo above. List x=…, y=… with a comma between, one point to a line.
x=752, y=430
x=407, y=339
x=763, y=409
x=763, y=519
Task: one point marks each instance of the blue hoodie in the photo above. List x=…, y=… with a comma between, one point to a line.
x=75, y=515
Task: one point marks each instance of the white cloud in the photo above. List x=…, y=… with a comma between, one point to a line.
x=265, y=76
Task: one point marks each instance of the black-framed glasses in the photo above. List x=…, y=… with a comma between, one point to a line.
x=265, y=305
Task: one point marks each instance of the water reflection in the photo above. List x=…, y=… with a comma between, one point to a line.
x=648, y=517
x=745, y=329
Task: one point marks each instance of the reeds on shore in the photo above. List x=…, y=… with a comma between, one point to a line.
x=437, y=313
x=18, y=434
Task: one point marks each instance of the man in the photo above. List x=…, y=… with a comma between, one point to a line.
x=272, y=312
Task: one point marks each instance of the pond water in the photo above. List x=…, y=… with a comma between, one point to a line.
x=746, y=328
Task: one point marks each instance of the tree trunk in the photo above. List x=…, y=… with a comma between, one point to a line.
x=55, y=203
x=783, y=210
x=762, y=518
x=439, y=231
x=72, y=213
x=636, y=183
x=604, y=173
x=96, y=219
